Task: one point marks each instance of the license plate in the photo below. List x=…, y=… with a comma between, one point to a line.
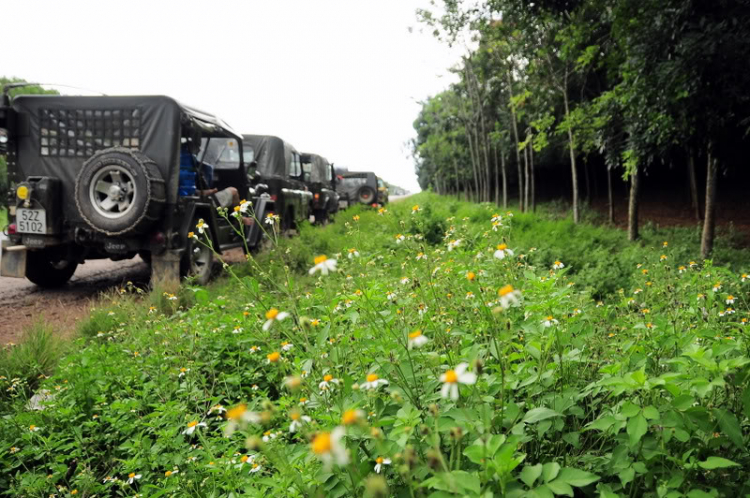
x=31, y=221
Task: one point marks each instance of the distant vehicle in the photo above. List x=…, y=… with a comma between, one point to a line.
x=321, y=180
x=112, y=177
x=359, y=187
x=277, y=167
x=382, y=192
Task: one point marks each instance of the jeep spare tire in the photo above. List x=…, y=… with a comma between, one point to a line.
x=366, y=195
x=120, y=191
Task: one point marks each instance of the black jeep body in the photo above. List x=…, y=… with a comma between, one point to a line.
x=109, y=177
x=278, y=172
x=321, y=180
x=359, y=187
x=382, y=192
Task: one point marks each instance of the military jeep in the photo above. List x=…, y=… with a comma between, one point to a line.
x=359, y=187
x=276, y=170
x=113, y=177
x=320, y=179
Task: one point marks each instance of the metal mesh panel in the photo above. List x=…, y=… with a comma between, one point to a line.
x=83, y=132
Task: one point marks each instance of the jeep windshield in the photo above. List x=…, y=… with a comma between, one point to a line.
x=223, y=153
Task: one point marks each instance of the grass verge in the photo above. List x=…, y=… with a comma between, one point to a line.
x=446, y=355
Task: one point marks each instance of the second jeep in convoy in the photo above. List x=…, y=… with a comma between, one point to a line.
x=276, y=167
x=321, y=180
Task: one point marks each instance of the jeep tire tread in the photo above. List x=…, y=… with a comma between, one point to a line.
x=132, y=180
x=46, y=270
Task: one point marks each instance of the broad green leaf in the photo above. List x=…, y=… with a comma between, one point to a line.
x=541, y=492
x=601, y=424
x=530, y=474
x=550, y=471
x=538, y=414
x=651, y=413
x=630, y=410
x=713, y=462
x=637, y=427
x=576, y=477
x=730, y=426
x=560, y=488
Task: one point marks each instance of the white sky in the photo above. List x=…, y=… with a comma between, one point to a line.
x=336, y=77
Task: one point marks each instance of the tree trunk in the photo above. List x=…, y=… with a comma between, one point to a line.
x=610, y=197
x=458, y=183
x=505, y=179
x=531, y=178
x=515, y=134
x=527, y=183
x=695, y=203
x=709, y=219
x=497, y=176
x=573, y=169
x=473, y=161
x=633, y=205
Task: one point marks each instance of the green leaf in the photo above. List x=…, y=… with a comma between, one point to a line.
x=601, y=424
x=466, y=481
x=538, y=414
x=576, y=477
x=717, y=463
x=550, y=471
x=530, y=474
x=637, y=427
x=730, y=426
x=560, y=488
x=651, y=413
x=630, y=410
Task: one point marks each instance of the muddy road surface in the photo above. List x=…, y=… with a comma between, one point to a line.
x=23, y=303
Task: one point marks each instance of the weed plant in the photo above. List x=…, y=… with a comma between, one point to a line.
x=440, y=349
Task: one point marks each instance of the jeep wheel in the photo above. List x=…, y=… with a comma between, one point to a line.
x=366, y=195
x=119, y=191
x=48, y=268
x=197, y=262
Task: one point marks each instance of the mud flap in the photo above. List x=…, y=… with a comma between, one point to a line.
x=13, y=261
x=255, y=233
x=165, y=271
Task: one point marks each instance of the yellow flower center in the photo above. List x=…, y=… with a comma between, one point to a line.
x=415, y=207
x=322, y=443
x=32, y=427
x=451, y=377
x=379, y=460
x=350, y=417
x=255, y=465
x=505, y=290
x=236, y=412
x=731, y=298
x=352, y=250
x=131, y=475
x=328, y=378
x=167, y=473
x=193, y=423
x=320, y=259
x=295, y=416
x=274, y=357
x=415, y=334
x=372, y=377
x=550, y=318
x=302, y=400
x=502, y=247
x=272, y=313
x=471, y=275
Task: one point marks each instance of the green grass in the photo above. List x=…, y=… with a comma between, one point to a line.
x=637, y=388
x=3, y=218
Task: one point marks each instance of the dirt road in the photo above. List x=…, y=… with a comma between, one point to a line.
x=23, y=303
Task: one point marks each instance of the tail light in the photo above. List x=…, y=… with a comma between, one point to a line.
x=274, y=197
x=316, y=196
x=12, y=229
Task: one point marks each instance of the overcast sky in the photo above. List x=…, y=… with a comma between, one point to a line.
x=336, y=77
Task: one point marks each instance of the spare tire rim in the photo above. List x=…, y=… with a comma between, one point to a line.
x=112, y=191
x=365, y=195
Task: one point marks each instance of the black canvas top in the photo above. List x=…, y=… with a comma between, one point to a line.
x=320, y=171
x=272, y=154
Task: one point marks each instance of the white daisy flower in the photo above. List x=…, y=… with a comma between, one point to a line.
x=373, y=382
x=255, y=468
x=503, y=251
x=192, y=426
x=380, y=462
x=328, y=381
x=273, y=315
x=405, y=280
x=328, y=447
x=508, y=296
x=400, y=238
x=558, y=265
x=286, y=346
x=298, y=421
x=549, y=321
x=452, y=378
x=390, y=295
x=132, y=477
x=453, y=244
x=353, y=253
x=417, y=339
x=202, y=226
x=323, y=264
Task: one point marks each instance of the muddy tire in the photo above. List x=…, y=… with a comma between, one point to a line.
x=48, y=268
x=198, y=261
x=120, y=191
x=366, y=195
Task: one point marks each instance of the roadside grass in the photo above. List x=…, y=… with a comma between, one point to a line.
x=3, y=218
x=621, y=371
